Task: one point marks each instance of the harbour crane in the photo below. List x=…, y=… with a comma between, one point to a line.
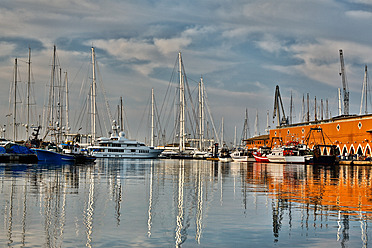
x=344, y=84
x=277, y=104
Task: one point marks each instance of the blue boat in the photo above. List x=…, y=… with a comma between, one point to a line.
x=52, y=156
x=11, y=152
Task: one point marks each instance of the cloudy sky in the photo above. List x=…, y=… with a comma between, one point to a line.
x=243, y=48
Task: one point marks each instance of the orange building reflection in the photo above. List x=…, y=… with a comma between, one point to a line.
x=343, y=188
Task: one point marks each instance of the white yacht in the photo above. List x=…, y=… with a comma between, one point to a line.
x=117, y=146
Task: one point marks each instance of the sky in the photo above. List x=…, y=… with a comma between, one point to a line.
x=242, y=48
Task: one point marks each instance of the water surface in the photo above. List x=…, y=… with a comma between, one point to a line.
x=184, y=203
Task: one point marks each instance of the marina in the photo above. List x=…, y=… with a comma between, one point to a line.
x=185, y=123
x=184, y=203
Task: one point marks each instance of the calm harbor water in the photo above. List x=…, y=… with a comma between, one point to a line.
x=184, y=203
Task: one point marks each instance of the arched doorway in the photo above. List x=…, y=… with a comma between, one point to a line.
x=352, y=151
x=368, y=151
x=344, y=151
x=360, y=151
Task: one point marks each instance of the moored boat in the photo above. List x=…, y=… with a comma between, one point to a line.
x=11, y=152
x=289, y=154
x=44, y=155
x=242, y=155
x=224, y=155
x=261, y=155
x=117, y=146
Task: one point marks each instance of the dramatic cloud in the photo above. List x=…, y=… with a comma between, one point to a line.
x=241, y=48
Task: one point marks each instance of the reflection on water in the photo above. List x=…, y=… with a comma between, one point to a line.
x=186, y=203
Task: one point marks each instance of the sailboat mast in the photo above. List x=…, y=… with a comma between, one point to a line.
x=256, y=125
x=15, y=102
x=303, y=108
x=222, y=133
x=201, y=114
x=315, y=110
x=308, y=108
x=267, y=123
x=28, y=91
x=290, y=110
x=182, y=106
x=60, y=107
x=93, y=98
x=152, y=117
x=121, y=114
x=66, y=92
x=364, y=93
x=235, y=137
x=50, y=123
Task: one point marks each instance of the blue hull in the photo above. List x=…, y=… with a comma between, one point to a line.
x=50, y=156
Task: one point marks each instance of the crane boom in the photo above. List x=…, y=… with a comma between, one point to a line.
x=278, y=104
x=344, y=84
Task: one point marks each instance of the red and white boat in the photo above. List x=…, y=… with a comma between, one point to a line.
x=261, y=158
x=260, y=155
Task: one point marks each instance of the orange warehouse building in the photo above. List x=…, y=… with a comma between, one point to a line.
x=351, y=134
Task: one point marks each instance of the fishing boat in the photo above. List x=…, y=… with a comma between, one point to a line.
x=118, y=146
x=243, y=155
x=261, y=155
x=80, y=155
x=224, y=155
x=44, y=155
x=289, y=154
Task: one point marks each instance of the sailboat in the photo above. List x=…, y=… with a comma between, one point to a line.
x=117, y=145
x=189, y=134
x=242, y=154
x=56, y=150
x=10, y=151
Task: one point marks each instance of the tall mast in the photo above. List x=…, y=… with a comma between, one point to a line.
x=246, y=131
x=121, y=114
x=152, y=117
x=67, y=103
x=267, y=123
x=201, y=114
x=235, y=138
x=52, y=95
x=321, y=109
x=315, y=110
x=303, y=108
x=182, y=106
x=291, y=110
x=60, y=107
x=308, y=109
x=28, y=92
x=256, y=125
x=93, y=97
x=344, y=84
x=364, y=98
x=15, y=102
x=222, y=133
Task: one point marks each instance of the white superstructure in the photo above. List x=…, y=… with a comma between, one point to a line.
x=117, y=146
x=290, y=154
